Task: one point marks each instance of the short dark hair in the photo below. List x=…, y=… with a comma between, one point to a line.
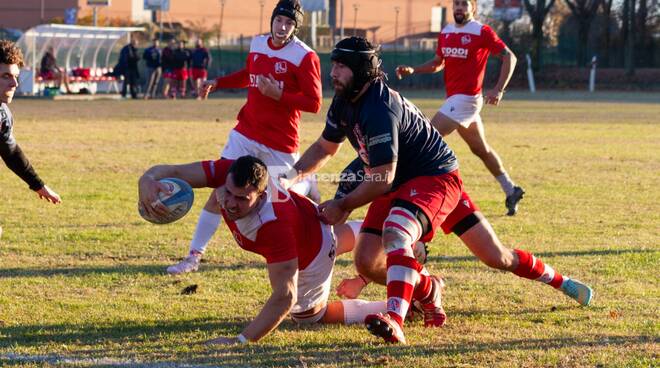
x=10, y=54
x=249, y=170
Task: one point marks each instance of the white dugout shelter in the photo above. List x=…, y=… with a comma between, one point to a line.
x=83, y=47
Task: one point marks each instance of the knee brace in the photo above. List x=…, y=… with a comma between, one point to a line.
x=401, y=229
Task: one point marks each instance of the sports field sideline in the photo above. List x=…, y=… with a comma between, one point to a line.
x=84, y=283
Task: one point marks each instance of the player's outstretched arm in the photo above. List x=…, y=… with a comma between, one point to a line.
x=149, y=187
x=432, y=66
x=283, y=280
x=49, y=195
x=509, y=60
x=311, y=160
x=239, y=79
x=379, y=182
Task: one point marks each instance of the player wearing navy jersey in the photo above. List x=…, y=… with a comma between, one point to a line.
x=413, y=182
x=11, y=60
x=463, y=50
x=470, y=225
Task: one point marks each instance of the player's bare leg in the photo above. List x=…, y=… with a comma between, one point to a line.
x=475, y=137
x=369, y=257
x=485, y=245
x=443, y=124
x=207, y=224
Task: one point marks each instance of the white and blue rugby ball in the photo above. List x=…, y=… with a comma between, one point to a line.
x=178, y=202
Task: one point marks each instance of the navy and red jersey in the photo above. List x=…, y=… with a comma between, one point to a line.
x=384, y=127
x=298, y=70
x=280, y=230
x=200, y=58
x=465, y=51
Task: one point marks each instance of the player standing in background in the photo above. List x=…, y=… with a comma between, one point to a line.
x=11, y=60
x=200, y=61
x=463, y=50
x=283, y=227
x=180, y=67
x=167, y=61
x=283, y=78
x=152, y=58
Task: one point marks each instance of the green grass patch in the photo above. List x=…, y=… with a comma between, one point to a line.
x=84, y=283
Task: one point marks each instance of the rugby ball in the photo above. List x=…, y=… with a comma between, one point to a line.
x=179, y=201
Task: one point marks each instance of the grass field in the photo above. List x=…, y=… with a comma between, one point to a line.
x=84, y=283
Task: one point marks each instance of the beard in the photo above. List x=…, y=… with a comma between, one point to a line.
x=460, y=18
x=342, y=89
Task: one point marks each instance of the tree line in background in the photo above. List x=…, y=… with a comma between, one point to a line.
x=621, y=33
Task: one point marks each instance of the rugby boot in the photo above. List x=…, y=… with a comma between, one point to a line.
x=577, y=290
x=382, y=325
x=513, y=199
x=189, y=264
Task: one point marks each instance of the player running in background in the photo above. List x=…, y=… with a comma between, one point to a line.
x=283, y=78
x=11, y=60
x=474, y=230
x=463, y=49
x=199, y=62
x=283, y=227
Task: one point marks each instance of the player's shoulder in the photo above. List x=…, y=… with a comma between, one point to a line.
x=294, y=52
x=474, y=27
x=381, y=98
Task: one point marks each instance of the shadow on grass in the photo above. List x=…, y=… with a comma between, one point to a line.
x=149, y=350
x=121, y=269
x=594, y=252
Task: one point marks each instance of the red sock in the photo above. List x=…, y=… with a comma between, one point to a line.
x=423, y=288
x=533, y=268
x=402, y=276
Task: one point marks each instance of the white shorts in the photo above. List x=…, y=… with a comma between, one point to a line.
x=314, y=281
x=463, y=109
x=278, y=162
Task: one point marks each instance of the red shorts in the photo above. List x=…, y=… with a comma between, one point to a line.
x=437, y=196
x=199, y=73
x=180, y=74
x=464, y=208
x=47, y=75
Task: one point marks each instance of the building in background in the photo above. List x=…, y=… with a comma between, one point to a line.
x=381, y=21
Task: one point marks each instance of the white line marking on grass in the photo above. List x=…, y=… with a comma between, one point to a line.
x=57, y=359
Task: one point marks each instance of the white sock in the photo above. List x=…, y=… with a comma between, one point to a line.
x=506, y=183
x=355, y=227
x=207, y=224
x=356, y=310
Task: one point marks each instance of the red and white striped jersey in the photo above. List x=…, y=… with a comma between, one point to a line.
x=465, y=51
x=285, y=227
x=298, y=70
